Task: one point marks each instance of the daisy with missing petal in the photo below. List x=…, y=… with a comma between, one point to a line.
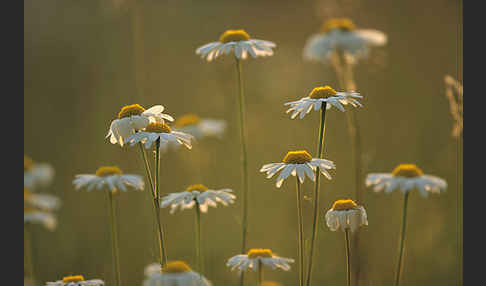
x=322, y=95
x=161, y=134
x=176, y=273
x=237, y=42
x=36, y=174
x=200, y=127
x=347, y=216
x=298, y=163
x=109, y=178
x=339, y=35
x=76, y=280
x=405, y=177
x=198, y=195
x=255, y=259
x=201, y=197
x=132, y=118
x=112, y=180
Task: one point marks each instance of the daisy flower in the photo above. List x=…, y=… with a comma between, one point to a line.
x=346, y=214
x=298, y=163
x=176, y=273
x=132, y=118
x=199, y=194
x=256, y=258
x=200, y=127
x=41, y=201
x=36, y=216
x=76, y=280
x=162, y=133
x=36, y=174
x=406, y=177
x=322, y=95
x=110, y=178
x=340, y=35
x=237, y=42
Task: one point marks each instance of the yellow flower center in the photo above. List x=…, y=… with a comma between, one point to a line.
x=176, y=267
x=74, y=278
x=197, y=187
x=322, y=92
x=270, y=283
x=259, y=252
x=28, y=163
x=187, y=119
x=234, y=36
x=130, y=110
x=343, y=24
x=158, y=127
x=297, y=157
x=407, y=170
x=344, y=205
x=108, y=171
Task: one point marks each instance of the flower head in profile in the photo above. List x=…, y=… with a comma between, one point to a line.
x=199, y=127
x=322, y=95
x=160, y=132
x=76, y=280
x=132, y=118
x=39, y=216
x=298, y=163
x=346, y=214
x=197, y=194
x=237, y=42
x=44, y=202
x=256, y=257
x=110, y=178
x=270, y=283
x=340, y=35
x=406, y=177
x=176, y=273
x=36, y=174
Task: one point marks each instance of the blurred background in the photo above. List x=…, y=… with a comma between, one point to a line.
x=84, y=60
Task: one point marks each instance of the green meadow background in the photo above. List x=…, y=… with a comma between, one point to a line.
x=84, y=60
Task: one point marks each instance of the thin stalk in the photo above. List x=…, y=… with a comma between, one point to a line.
x=28, y=264
x=301, y=233
x=244, y=223
x=260, y=273
x=402, y=239
x=197, y=231
x=348, y=258
x=315, y=224
x=147, y=168
x=163, y=253
x=114, y=238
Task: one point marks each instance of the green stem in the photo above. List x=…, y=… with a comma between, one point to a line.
x=114, y=237
x=301, y=233
x=244, y=223
x=315, y=223
x=198, y=239
x=402, y=240
x=28, y=264
x=260, y=273
x=147, y=168
x=162, y=247
x=348, y=257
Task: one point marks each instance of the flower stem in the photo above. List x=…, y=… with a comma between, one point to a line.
x=198, y=239
x=114, y=237
x=348, y=257
x=301, y=233
x=28, y=264
x=402, y=239
x=241, y=103
x=260, y=273
x=163, y=253
x=147, y=168
x=315, y=224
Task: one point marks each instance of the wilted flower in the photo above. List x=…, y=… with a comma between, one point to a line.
x=256, y=257
x=346, y=214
